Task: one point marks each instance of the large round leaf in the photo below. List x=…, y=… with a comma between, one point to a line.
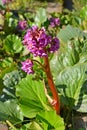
x=83, y=12
x=13, y=44
x=72, y=84
x=51, y=119
x=32, y=96
x=40, y=16
x=70, y=32
x=9, y=110
x=67, y=56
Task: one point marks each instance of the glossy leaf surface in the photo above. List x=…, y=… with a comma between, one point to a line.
x=72, y=84
x=32, y=96
x=51, y=120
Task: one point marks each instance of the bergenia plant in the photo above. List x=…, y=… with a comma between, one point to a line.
x=40, y=44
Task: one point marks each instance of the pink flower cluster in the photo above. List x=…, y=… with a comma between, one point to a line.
x=27, y=66
x=39, y=44
x=54, y=22
x=54, y=45
x=22, y=25
x=6, y=1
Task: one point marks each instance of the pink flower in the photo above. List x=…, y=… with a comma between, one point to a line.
x=54, y=22
x=27, y=66
x=36, y=41
x=54, y=45
x=39, y=44
x=6, y=1
x=22, y=25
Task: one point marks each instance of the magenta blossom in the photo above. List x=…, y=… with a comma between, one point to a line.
x=38, y=42
x=22, y=25
x=54, y=45
x=27, y=66
x=6, y=1
x=54, y=22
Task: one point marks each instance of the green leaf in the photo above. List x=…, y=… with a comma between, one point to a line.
x=51, y=119
x=13, y=44
x=70, y=32
x=83, y=13
x=32, y=96
x=34, y=126
x=7, y=62
x=1, y=3
x=31, y=126
x=9, y=81
x=40, y=16
x=72, y=85
x=9, y=110
x=7, y=69
x=68, y=55
x=1, y=85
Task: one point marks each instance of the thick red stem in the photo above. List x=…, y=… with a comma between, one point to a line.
x=52, y=85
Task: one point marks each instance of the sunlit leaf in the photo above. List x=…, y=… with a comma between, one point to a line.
x=52, y=120
x=70, y=32
x=9, y=81
x=31, y=126
x=40, y=16
x=83, y=12
x=9, y=110
x=13, y=44
x=32, y=96
x=72, y=84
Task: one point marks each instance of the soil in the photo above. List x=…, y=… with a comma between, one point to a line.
x=54, y=7
x=80, y=122
x=3, y=126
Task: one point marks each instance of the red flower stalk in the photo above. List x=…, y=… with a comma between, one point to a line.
x=56, y=100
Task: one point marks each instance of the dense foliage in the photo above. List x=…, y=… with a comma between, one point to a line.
x=52, y=50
